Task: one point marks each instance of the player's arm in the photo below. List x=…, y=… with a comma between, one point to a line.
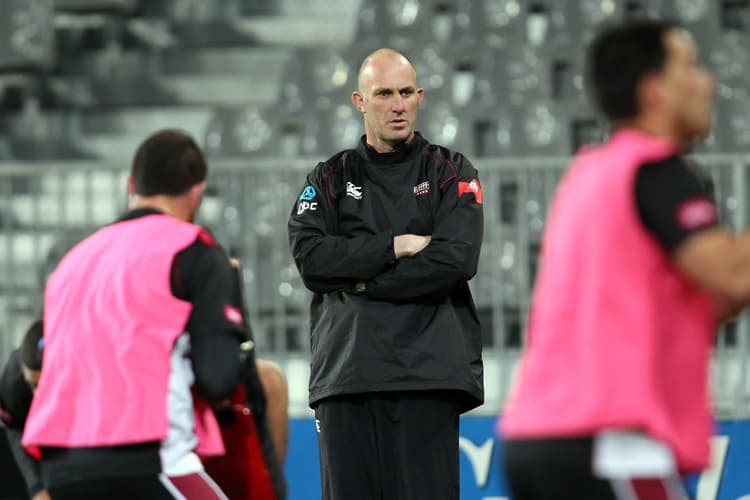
x=326, y=260
x=452, y=255
x=215, y=325
x=15, y=401
x=675, y=208
x=718, y=261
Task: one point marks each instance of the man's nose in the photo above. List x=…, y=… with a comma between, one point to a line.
x=398, y=104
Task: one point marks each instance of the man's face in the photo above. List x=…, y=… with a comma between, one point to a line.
x=688, y=88
x=390, y=99
x=31, y=377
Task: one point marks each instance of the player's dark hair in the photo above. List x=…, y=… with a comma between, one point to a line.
x=32, y=347
x=169, y=162
x=618, y=58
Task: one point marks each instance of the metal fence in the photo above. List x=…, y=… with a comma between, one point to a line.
x=46, y=207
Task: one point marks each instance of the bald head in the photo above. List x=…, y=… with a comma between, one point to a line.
x=378, y=61
x=388, y=98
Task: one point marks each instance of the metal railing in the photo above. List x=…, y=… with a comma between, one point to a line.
x=46, y=207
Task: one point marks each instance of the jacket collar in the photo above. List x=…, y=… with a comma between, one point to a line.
x=402, y=152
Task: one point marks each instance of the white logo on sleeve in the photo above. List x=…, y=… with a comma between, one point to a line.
x=303, y=206
x=354, y=191
x=317, y=425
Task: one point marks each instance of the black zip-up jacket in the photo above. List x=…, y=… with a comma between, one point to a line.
x=381, y=324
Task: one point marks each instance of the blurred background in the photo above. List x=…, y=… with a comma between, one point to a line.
x=264, y=86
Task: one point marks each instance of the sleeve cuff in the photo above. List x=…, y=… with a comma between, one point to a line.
x=35, y=488
x=391, y=251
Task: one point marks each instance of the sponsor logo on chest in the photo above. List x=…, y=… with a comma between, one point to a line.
x=422, y=188
x=354, y=191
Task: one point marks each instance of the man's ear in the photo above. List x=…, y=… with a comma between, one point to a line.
x=649, y=91
x=358, y=101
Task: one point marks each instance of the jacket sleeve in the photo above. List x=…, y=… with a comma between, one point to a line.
x=15, y=394
x=15, y=401
x=31, y=470
x=328, y=261
x=215, y=325
x=451, y=258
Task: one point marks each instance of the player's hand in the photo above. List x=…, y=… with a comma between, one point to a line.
x=406, y=245
x=42, y=495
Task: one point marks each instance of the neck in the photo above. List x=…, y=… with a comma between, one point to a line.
x=167, y=204
x=382, y=146
x=658, y=127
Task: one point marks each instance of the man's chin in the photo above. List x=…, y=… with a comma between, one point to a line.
x=400, y=135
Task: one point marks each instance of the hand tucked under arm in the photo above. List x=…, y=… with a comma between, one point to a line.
x=408, y=245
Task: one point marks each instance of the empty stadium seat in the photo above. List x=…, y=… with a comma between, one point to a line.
x=26, y=35
x=239, y=132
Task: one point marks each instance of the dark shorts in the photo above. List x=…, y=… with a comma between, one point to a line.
x=197, y=486
x=115, y=488
x=394, y=446
x=559, y=469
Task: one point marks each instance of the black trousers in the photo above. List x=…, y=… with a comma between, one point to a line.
x=554, y=469
x=148, y=487
x=561, y=469
x=389, y=446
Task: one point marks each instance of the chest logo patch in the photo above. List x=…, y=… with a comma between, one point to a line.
x=354, y=191
x=422, y=188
